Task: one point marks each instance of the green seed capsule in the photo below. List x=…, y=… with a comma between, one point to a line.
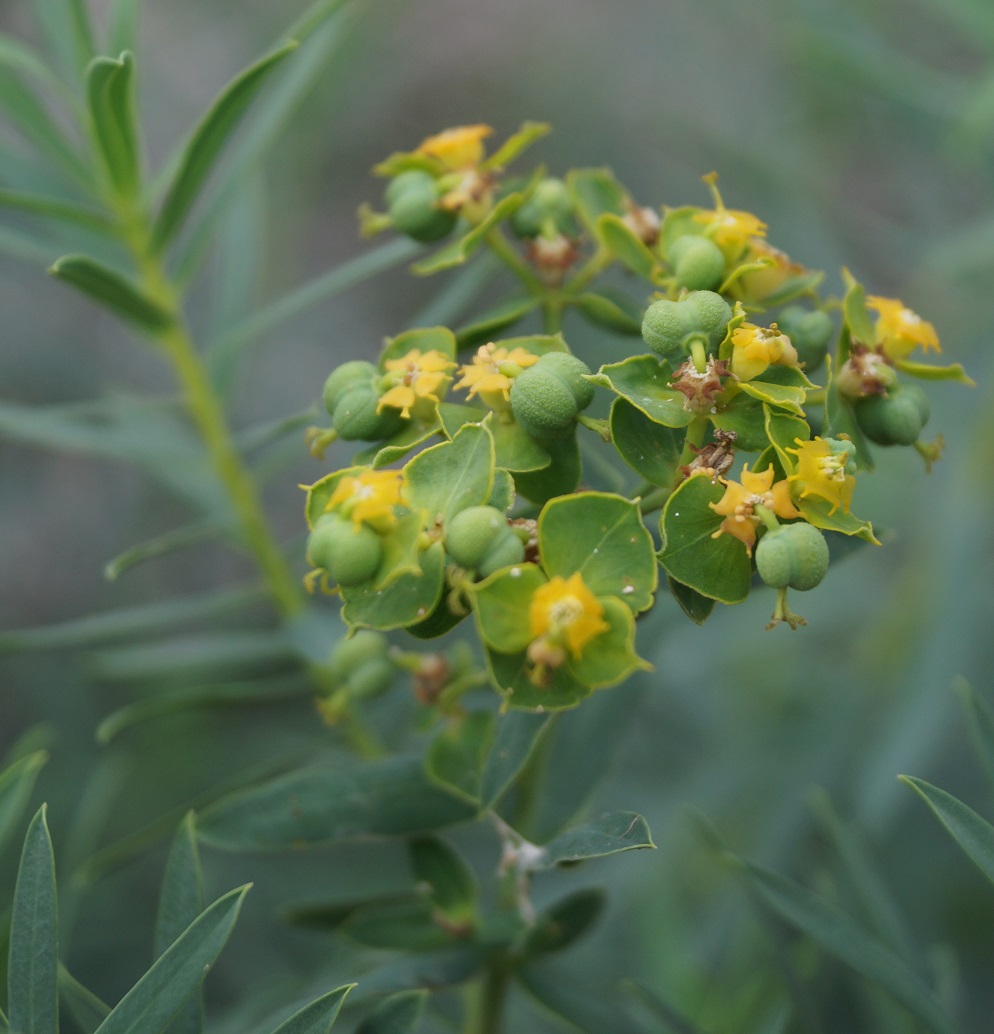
x=698, y=263
x=412, y=203
x=350, y=555
x=471, y=533
x=550, y=201
x=668, y=328
x=505, y=550
x=794, y=556
x=355, y=417
x=895, y=418
x=360, y=649
x=547, y=397
x=342, y=378
x=809, y=331
x=370, y=679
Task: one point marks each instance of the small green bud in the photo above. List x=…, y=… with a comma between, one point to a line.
x=547, y=397
x=349, y=554
x=698, y=263
x=412, y=203
x=348, y=375
x=355, y=417
x=809, y=331
x=794, y=556
x=480, y=539
x=549, y=202
x=357, y=650
x=668, y=328
x=895, y=417
x=370, y=679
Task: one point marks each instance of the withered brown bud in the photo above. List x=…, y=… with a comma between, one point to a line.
x=700, y=389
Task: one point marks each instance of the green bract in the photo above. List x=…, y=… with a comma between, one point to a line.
x=793, y=555
x=895, y=417
x=669, y=327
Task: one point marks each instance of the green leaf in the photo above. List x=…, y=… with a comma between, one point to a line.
x=66, y=27
x=651, y=449
x=604, y=311
x=396, y=926
x=405, y=601
x=318, y=1017
x=83, y=1005
x=927, y=372
x=501, y=607
x=783, y=432
x=515, y=144
x=784, y=396
x=518, y=734
x=840, y=421
x=489, y=324
x=602, y=536
x=123, y=21
x=32, y=966
x=818, y=512
x=559, y=477
x=610, y=834
x=564, y=922
x=151, y=549
x=675, y=1023
x=644, y=381
x=447, y=478
x=857, y=317
x=502, y=494
x=980, y=725
x=455, y=756
x=110, y=93
x=56, y=208
x=718, y=568
x=113, y=291
x=745, y=415
x=585, y=1008
x=839, y=935
x=399, y=1014
x=208, y=140
x=440, y=866
x=16, y=783
x=973, y=833
x=181, y=899
x=161, y=992
x=443, y=967
x=630, y=250
x=320, y=805
x=697, y=607
x=595, y=192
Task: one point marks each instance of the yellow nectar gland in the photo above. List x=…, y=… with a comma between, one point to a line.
x=417, y=375
x=899, y=330
x=369, y=498
x=738, y=504
x=755, y=348
x=458, y=148
x=821, y=472
x=565, y=611
x=491, y=372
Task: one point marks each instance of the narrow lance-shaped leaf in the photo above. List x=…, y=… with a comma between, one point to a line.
x=16, y=784
x=113, y=291
x=207, y=142
x=318, y=1017
x=110, y=94
x=398, y=1014
x=66, y=27
x=56, y=208
x=516, y=737
x=32, y=967
x=160, y=993
x=86, y=1009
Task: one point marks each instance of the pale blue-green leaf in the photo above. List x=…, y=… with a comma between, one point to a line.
x=398, y=1014
x=110, y=94
x=33, y=961
x=87, y=1010
x=318, y=1017
x=585, y=1008
x=384, y=798
x=562, y=923
x=208, y=140
x=179, y=538
x=823, y=921
x=518, y=734
x=279, y=312
x=66, y=28
x=20, y=58
x=27, y=248
x=16, y=783
x=176, y=974
x=618, y=831
x=201, y=655
x=675, y=1022
x=980, y=725
x=132, y=622
x=56, y=208
x=196, y=698
x=973, y=833
x=113, y=291
x=122, y=25
x=440, y=967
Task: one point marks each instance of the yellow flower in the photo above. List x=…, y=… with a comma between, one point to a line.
x=457, y=148
x=418, y=375
x=822, y=472
x=738, y=504
x=755, y=348
x=761, y=283
x=729, y=228
x=899, y=330
x=491, y=372
x=564, y=610
x=369, y=498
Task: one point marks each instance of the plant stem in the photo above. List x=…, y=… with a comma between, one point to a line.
x=696, y=430
x=504, y=250
x=488, y=1008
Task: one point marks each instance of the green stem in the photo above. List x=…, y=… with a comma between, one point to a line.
x=696, y=431
x=504, y=250
x=552, y=314
x=590, y=269
x=655, y=499
x=488, y=1008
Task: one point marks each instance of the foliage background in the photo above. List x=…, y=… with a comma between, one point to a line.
x=862, y=133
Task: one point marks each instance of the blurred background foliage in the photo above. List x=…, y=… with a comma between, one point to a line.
x=863, y=133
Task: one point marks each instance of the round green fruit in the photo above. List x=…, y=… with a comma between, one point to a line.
x=349, y=554
x=809, y=331
x=471, y=532
x=349, y=375
x=793, y=555
x=355, y=417
x=896, y=417
x=363, y=648
x=668, y=328
x=412, y=203
x=550, y=201
x=547, y=397
x=698, y=263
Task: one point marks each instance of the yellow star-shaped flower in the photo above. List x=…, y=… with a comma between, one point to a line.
x=899, y=330
x=416, y=376
x=738, y=504
x=491, y=372
x=369, y=498
x=822, y=472
x=458, y=148
x=755, y=348
x=565, y=611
